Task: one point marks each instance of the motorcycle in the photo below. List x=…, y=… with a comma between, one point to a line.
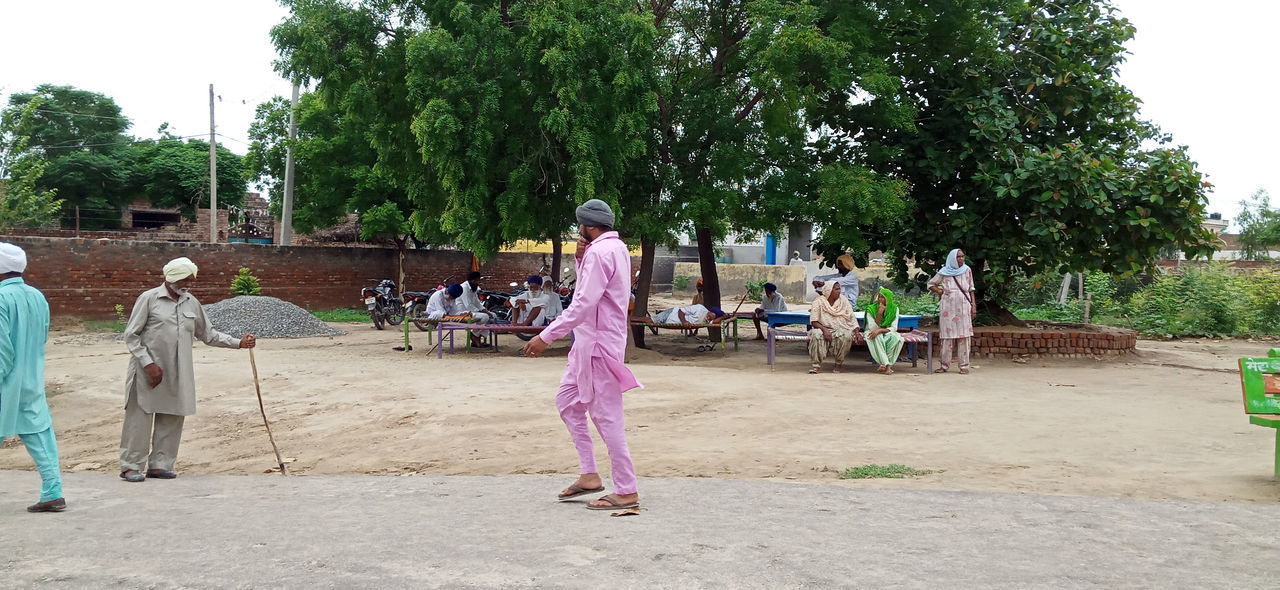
x=383, y=303
x=495, y=303
x=415, y=306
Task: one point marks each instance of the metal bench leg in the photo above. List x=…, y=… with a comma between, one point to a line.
x=911, y=352
x=929, y=351
x=769, y=347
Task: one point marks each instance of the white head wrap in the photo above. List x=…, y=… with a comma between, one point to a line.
x=12, y=258
x=953, y=268
x=178, y=269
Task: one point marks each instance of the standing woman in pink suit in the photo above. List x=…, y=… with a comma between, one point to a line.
x=596, y=377
x=956, y=309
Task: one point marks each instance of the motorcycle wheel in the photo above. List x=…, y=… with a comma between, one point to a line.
x=376, y=314
x=394, y=313
x=416, y=310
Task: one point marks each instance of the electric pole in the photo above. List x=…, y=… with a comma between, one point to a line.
x=286, y=208
x=213, y=175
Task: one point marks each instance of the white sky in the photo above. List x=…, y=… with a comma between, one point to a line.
x=1206, y=71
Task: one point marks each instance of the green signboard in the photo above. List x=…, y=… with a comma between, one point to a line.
x=1260, y=379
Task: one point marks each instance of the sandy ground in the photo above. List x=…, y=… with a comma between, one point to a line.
x=1166, y=423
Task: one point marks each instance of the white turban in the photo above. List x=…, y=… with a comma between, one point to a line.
x=178, y=269
x=12, y=258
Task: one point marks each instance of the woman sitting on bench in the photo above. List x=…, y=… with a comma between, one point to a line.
x=882, y=335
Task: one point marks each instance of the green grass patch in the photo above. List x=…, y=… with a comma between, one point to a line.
x=103, y=326
x=873, y=471
x=341, y=315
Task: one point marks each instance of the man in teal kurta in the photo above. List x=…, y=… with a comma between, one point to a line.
x=24, y=329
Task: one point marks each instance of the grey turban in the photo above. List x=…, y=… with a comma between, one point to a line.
x=595, y=213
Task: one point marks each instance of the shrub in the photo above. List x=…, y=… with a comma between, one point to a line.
x=245, y=284
x=681, y=282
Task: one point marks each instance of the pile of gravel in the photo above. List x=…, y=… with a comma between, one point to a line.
x=265, y=317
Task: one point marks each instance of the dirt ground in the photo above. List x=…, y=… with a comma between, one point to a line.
x=1165, y=423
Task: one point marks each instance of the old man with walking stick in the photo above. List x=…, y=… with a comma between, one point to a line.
x=160, y=387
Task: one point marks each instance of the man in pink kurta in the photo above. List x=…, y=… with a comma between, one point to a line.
x=596, y=377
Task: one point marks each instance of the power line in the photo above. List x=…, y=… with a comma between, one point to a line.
x=51, y=111
x=133, y=142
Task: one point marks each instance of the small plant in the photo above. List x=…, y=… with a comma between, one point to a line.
x=245, y=284
x=681, y=282
x=120, y=317
x=891, y=471
x=755, y=290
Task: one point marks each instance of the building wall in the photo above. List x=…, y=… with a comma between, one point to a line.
x=87, y=278
x=734, y=278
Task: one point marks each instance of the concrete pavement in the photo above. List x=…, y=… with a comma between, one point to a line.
x=506, y=532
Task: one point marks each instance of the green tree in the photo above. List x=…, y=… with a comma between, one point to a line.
x=172, y=173
x=22, y=201
x=1028, y=153
x=1259, y=226
x=80, y=135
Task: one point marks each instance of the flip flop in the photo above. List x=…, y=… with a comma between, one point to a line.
x=613, y=504
x=579, y=491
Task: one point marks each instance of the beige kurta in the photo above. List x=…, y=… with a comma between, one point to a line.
x=162, y=330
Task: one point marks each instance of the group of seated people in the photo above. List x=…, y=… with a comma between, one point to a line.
x=461, y=302
x=833, y=324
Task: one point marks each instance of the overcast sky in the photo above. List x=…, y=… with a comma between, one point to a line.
x=1206, y=71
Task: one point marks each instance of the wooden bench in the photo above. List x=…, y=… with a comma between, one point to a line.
x=910, y=336
x=447, y=330
x=724, y=332
x=1260, y=381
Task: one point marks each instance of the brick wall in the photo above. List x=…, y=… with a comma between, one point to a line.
x=84, y=277
x=1057, y=340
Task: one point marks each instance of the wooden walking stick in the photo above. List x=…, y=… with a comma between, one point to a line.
x=258, y=387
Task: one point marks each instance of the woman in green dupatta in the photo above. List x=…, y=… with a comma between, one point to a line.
x=882, y=330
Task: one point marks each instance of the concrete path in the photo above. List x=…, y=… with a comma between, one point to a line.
x=503, y=532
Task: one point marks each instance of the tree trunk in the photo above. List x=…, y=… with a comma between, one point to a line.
x=648, y=252
x=710, y=278
x=996, y=312
x=557, y=250
x=401, y=243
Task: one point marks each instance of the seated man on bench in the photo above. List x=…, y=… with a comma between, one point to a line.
x=444, y=306
x=771, y=301
x=530, y=308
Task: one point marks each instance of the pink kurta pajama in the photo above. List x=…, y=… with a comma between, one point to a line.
x=596, y=377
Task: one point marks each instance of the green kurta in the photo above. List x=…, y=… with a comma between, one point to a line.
x=24, y=329
x=163, y=331
x=886, y=347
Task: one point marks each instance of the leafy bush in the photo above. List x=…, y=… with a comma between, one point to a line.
x=755, y=290
x=1209, y=301
x=1071, y=311
x=681, y=282
x=245, y=284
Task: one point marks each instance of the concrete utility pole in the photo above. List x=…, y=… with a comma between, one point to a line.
x=286, y=208
x=213, y=174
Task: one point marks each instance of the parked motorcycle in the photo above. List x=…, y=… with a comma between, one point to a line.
x=415, y=306
x=383, y=303
x=495, y=303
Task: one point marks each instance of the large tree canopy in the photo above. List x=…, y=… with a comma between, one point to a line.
x=80, y=137
x=1028, y=153
x=334, y=166
x=997, y=126
x=87, y=160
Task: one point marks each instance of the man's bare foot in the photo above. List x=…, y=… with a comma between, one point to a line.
x=615, y=501
x=587, y=483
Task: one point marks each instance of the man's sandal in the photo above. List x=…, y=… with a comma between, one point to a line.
x=576, y=490
x=613, y=504
x=814, y=370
